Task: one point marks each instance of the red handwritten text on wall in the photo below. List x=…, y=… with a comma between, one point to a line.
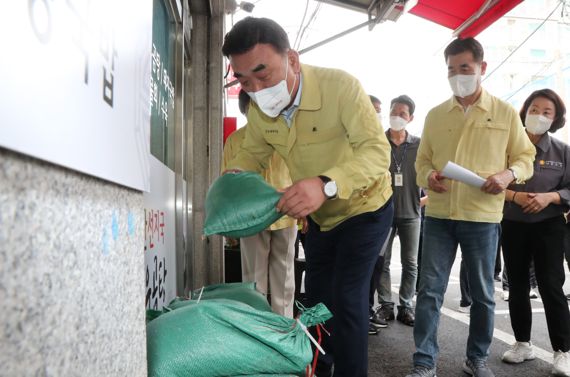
x=154, y=228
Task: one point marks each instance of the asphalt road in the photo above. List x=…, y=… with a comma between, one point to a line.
x=390, y=352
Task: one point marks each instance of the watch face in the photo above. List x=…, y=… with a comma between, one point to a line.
x=330, y=189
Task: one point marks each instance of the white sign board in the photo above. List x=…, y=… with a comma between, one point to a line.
x=160, y=237
x=75, y=85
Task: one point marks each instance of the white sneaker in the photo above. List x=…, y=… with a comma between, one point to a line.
x=532, y=293
x=561, y=365
x=521, y=351
x=505, y=295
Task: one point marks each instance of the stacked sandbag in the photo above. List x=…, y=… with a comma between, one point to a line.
x=222, y=337
x=242, y=292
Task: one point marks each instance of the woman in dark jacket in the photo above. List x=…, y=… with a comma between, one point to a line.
x=533, y=228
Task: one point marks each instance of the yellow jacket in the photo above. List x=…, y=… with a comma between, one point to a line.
x=277, y=174
x=335, y=132
x=487, y=139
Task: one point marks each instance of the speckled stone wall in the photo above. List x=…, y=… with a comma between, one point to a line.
x=71, y=273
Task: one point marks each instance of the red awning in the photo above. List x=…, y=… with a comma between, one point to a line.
x=453, y=14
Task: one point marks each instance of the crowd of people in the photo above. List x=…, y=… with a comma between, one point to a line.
x=357, y=187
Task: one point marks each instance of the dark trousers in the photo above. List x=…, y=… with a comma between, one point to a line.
x=532, y=277
x=543, y=241
x=375, y=282
x=377, y=274
x=339, y=269
x=567, y=245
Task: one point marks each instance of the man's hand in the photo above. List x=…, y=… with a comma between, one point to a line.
x=423, y=201
x=435, y=182
x=302, y=198
x=497, y=183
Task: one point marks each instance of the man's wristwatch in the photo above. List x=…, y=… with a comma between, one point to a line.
x=330, y=188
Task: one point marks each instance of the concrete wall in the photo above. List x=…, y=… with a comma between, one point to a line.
x=71, y=273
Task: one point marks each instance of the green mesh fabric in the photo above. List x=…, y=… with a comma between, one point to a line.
x=222, y=337
x=152, y=314
x=240, y=205
x=242, y=292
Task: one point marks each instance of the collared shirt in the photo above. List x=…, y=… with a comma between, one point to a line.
x=551, y=174
x=335, y=132
x=406, y=197
x=276, y=174
x=486, y=140
x=288, y=112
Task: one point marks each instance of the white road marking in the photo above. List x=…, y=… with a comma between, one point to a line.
x=506, y=312
x=497, y=334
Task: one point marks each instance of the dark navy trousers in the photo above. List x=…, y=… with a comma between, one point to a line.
x=338, y=272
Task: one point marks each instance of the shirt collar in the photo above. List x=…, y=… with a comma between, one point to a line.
x=544, y=143
x=408, y=137
x=311, y=99
x=483, y=102
x=288, y=112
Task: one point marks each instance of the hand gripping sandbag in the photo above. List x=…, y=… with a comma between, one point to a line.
x=220, y=337
x=240, y=205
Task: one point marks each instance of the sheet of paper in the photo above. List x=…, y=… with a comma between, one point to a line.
x=459, y=173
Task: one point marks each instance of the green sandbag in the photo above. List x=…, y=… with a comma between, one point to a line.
x=228, y=338
x=240, y=205
x=152, y=314
x=242, y=292
x=268, y=375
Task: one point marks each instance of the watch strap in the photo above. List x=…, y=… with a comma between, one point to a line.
x=324, y=178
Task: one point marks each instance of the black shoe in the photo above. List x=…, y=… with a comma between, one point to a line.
x=406, y=316
x=386, y=312
x=497, y=278
x=372, y=330
x=378, y=321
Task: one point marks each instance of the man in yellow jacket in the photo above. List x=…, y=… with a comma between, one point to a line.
x=321, y=122
x=268, y=258
x=484, y=134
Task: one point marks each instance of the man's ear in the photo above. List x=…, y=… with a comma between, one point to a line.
x=483, y=67
x=294, y=62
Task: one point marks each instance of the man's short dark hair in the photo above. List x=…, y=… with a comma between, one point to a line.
x=250, y=31
x=559, y=118
x=243, y=101
x=374, y=99
x=461, y=45
x=404, y=99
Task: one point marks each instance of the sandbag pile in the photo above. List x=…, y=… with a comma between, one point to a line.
x=214, y=337
x=243, y=292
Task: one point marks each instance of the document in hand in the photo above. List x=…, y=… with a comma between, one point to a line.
x=459, y=173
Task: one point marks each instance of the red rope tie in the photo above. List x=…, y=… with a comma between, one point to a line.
x=314, y=365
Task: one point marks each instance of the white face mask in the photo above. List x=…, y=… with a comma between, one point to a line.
x=397, y=123
x=464, y=85
x=273, y=100
x=537, y=124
